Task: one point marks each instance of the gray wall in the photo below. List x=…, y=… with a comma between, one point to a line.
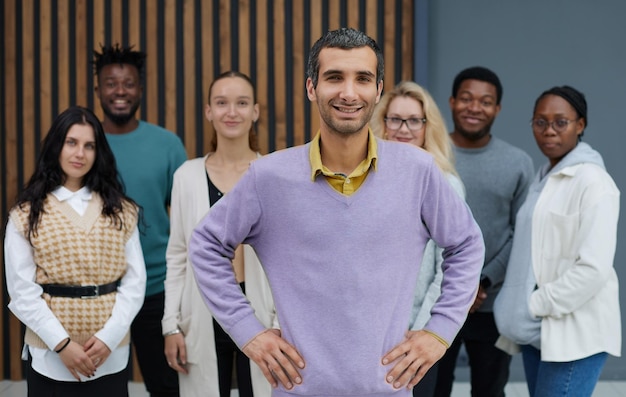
x=533, y=45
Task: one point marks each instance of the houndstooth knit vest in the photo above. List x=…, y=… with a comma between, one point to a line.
x=77, y=250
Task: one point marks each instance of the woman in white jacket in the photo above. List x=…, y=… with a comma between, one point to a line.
x=560, y=299
x=195, y=345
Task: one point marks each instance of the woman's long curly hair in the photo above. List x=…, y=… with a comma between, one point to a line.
x=102, y=178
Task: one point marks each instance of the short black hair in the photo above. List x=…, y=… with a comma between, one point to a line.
x=116, y=54
x=479, y=73
x=345, y=39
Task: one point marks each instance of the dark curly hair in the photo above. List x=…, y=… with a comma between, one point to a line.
x=102, y=178
x=118, y=55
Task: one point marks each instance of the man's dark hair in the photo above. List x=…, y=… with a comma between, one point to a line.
x=481, y=74
x=345, y=39
x=118, y=55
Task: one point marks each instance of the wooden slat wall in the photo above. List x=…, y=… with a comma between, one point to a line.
x=45, y=67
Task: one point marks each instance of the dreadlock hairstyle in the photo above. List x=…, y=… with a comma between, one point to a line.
x=102, y=178
x=118, y=55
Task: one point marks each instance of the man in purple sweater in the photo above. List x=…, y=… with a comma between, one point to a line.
x=340, y=225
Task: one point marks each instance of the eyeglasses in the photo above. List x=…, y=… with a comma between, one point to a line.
x=413, y=124
x=560, y=125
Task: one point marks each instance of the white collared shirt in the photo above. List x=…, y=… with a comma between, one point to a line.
x=28, y=305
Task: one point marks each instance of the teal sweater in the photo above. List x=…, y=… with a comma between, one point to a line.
x=146, y=160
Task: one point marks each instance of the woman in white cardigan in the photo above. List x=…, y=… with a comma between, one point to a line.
x=559, y=300
x=189, y=329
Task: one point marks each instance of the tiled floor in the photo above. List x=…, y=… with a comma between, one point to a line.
x=460, y=389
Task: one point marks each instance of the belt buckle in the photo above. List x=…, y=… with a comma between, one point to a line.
x=96, y=292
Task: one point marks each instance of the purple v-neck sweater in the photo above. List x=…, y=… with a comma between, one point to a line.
x=342, y=268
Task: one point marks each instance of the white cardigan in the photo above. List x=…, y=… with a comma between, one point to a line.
x=573, y=246
x=184, y=306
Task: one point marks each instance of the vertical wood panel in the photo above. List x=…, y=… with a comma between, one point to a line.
x=151, y=81
x=299, y=93
x=82, y=56
x=134, y=25
x=225, y=37
x=244, y=35
x=10, y=121
x=262, y=56
x=4, y=326
x=44, y=69
x=207, y=67
x=334, y=11
x=189, y=78
x=134, y=31
x=407, y=40
x=371, y=12
x=170, y=64
x=62, y=56
x=278, y=47
x=116, y=27
x=54, y=63
x=389, y=43
x=316, y=33
x=353, y=13
x=99, y=39
x=28, y=94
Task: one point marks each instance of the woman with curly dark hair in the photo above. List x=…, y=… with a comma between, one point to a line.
x=74, y=266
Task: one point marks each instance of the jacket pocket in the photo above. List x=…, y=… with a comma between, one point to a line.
x=560, y=236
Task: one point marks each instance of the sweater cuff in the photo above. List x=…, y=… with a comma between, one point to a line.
x=245, y=330
x=439, y=338
x=443, y=327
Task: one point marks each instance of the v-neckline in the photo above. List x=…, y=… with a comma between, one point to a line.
x=86, y=221
x=348, y=200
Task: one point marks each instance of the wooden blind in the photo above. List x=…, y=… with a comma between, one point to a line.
x=47, y=47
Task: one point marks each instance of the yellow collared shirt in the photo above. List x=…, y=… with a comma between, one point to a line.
x=345, y=184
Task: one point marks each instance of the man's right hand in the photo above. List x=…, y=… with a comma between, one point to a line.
x=278, y=360
x=481, y=295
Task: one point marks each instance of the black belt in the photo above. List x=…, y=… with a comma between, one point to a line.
x=80, y=291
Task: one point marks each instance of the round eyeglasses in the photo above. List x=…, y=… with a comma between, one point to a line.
x=413, y=124
x=559, y=125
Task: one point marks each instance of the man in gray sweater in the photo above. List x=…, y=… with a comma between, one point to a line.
x=496, y=176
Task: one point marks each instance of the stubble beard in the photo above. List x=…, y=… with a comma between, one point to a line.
x=474, y=136
x=347, y=128
x=121, y=119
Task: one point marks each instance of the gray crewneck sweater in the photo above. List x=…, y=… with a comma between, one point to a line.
x=496, y=179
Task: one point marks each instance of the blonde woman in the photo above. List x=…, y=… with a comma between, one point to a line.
x=409, y=114
x=195, y=345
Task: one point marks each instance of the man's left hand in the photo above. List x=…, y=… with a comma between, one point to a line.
x=413, y=358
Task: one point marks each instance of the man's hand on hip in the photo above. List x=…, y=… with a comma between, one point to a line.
x=278, y=360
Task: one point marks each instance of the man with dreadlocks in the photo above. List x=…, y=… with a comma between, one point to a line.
x=147, y=156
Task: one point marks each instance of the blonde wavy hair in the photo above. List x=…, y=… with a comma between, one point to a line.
x=436, y=139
